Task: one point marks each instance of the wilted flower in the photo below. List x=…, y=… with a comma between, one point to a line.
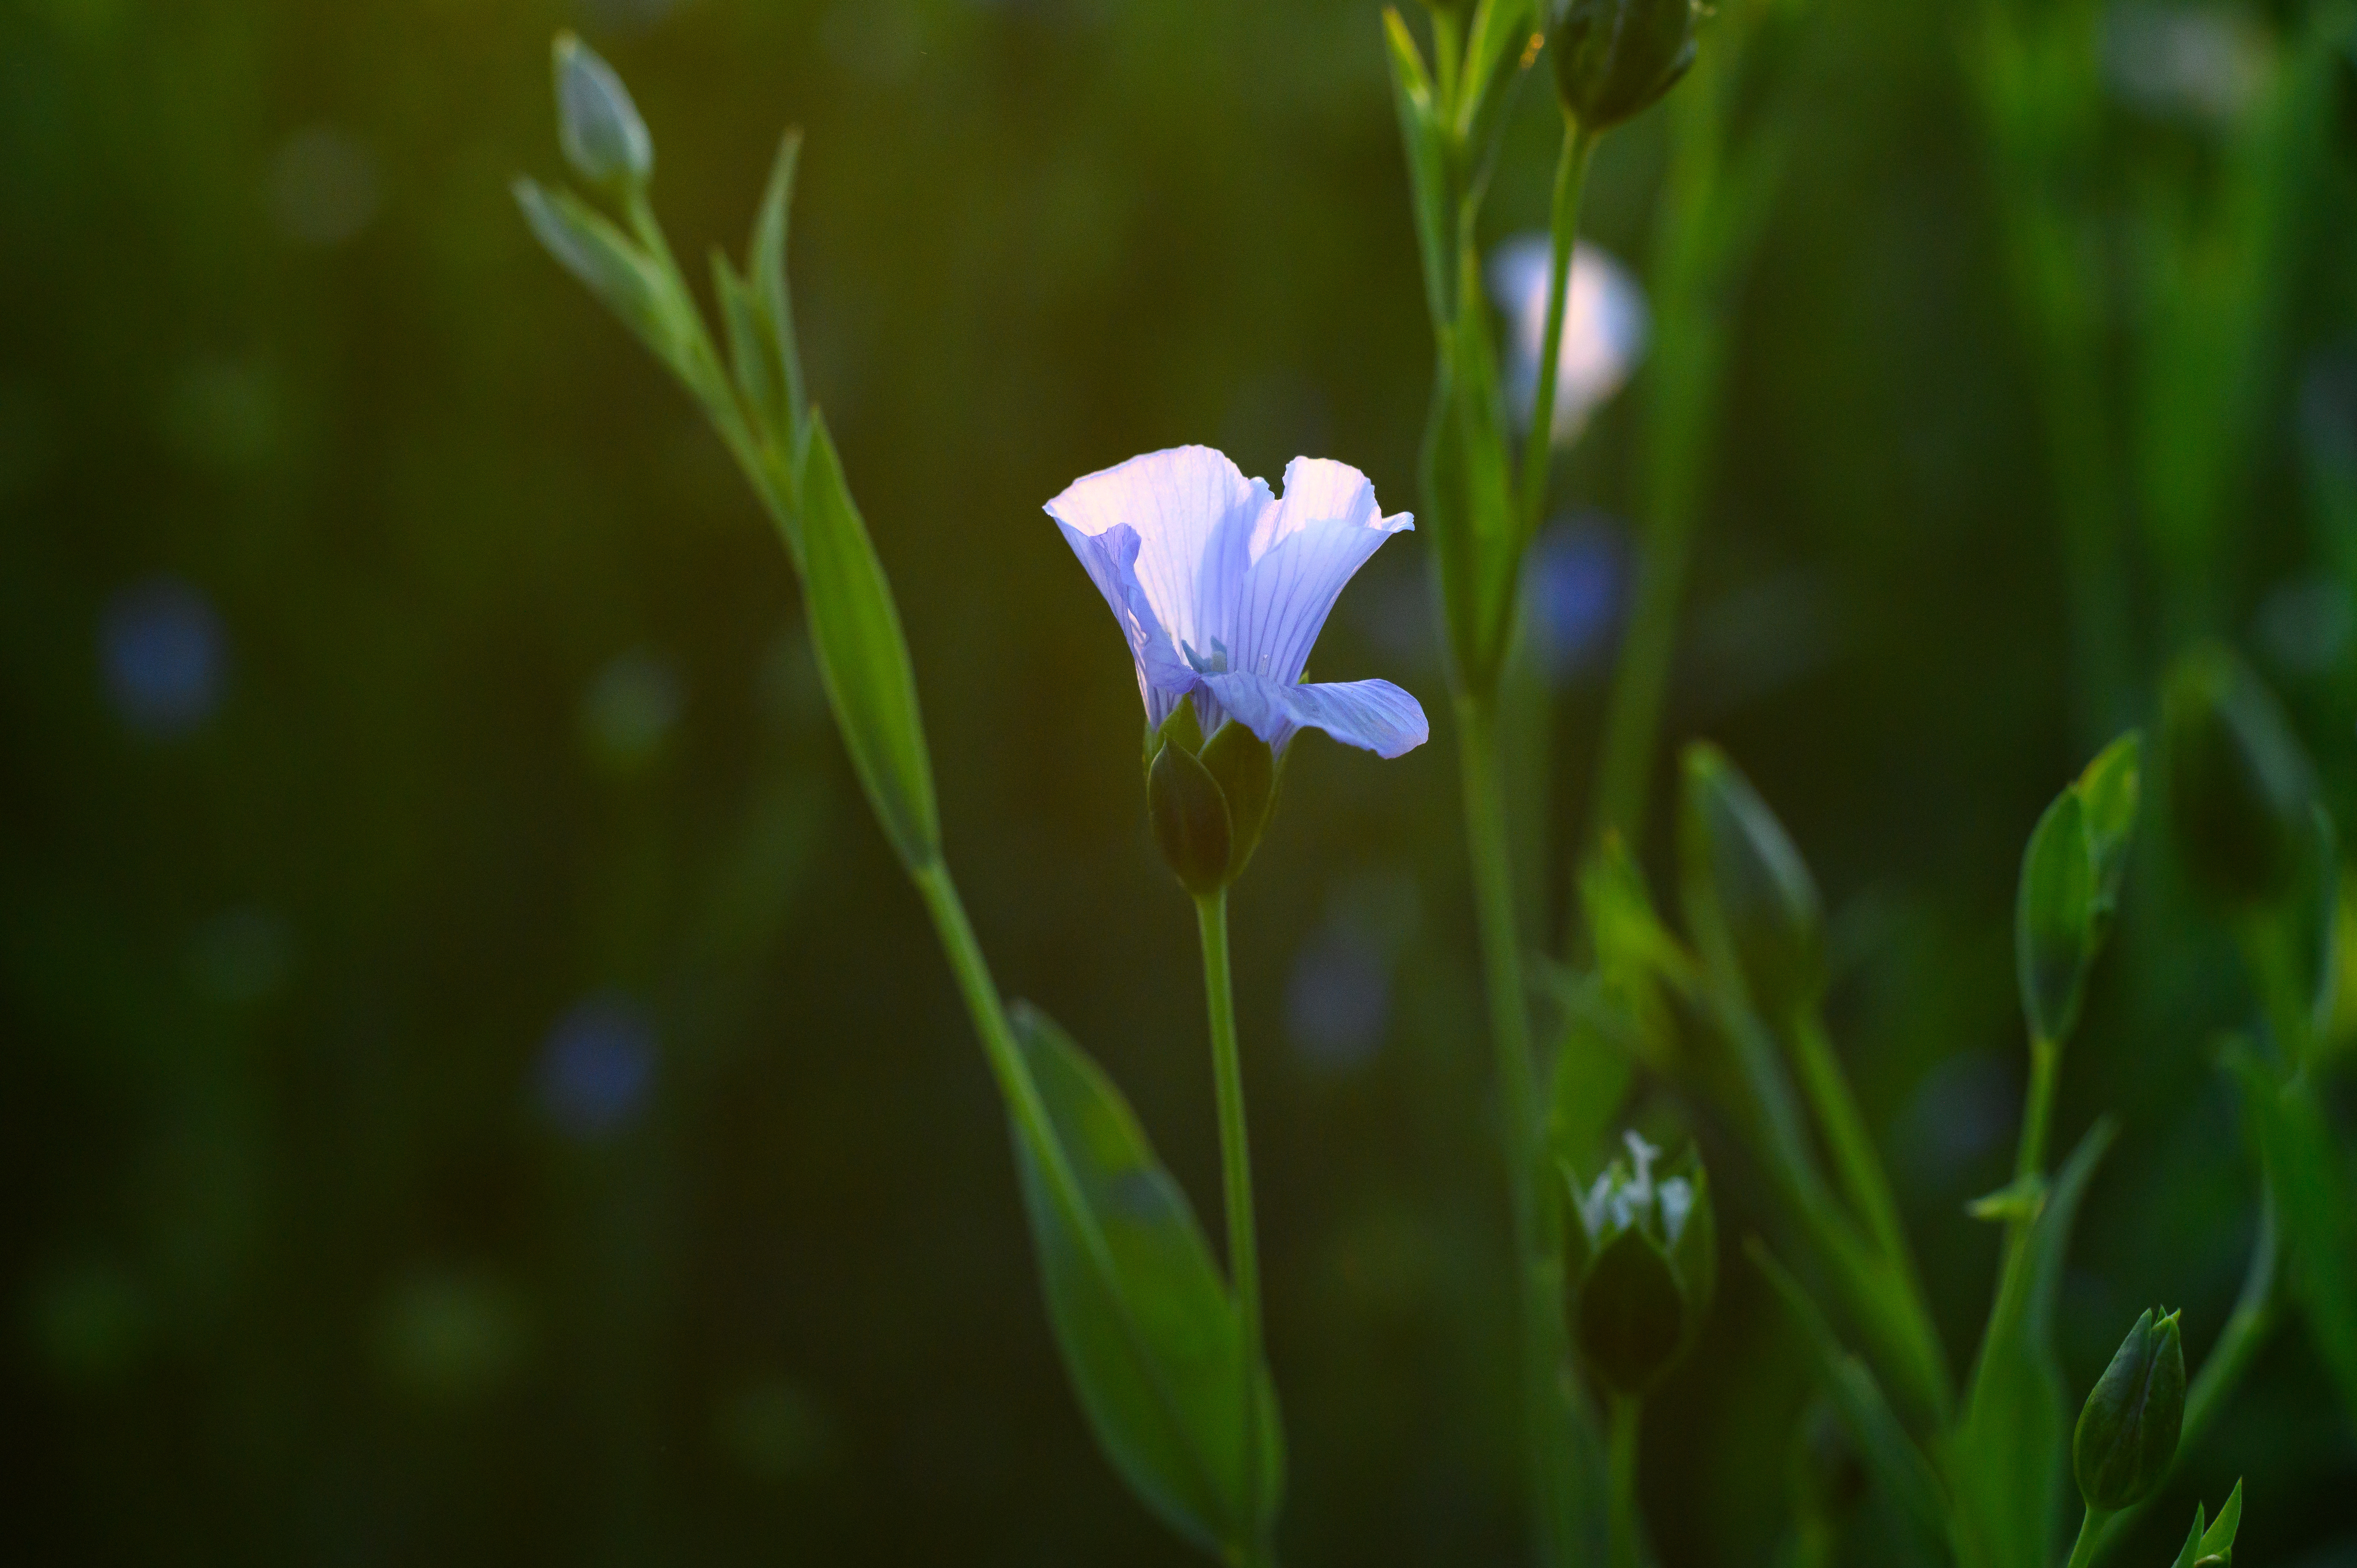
x=1220, y=589
x=1605, y=325
x=1644, y=1265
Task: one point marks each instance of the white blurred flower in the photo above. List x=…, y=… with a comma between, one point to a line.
x=2193, y=63
x=1604, y=328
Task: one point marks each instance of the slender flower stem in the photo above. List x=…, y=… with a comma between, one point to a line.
x=1235, y=1171
x=1537, y=1203
x=2090, y=1530
x=1625, y=1551
x=1570, y=177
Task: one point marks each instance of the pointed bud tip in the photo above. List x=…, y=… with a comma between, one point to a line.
x=596, y=122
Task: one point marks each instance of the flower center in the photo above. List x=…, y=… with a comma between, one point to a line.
x=1217, y=664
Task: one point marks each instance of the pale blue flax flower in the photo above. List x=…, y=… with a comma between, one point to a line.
x=1220, y=587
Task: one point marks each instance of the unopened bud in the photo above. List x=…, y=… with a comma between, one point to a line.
x=597, y=123
x=2127, y=1432
x=1645, y=1265
x=1614, y=57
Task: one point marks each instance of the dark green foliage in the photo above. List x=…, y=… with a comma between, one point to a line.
x=1747, y=887
x=2241, y=787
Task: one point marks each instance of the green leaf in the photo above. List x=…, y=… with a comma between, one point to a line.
x=2006, y=1460
x=1427, y=162
x=2213, y=1547
x=2316, y=1209
x=1749, y=900
x=1889, y=1455
x=767, y=270
x=1152, y=1351
x=748, y=347
x=2054, y=920
x=863, y=656
x=586, y=244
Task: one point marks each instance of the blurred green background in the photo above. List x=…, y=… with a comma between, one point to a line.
x=477, y=1087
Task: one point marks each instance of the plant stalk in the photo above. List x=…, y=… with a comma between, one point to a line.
x=2090, y=1532
x=1626, y=1553
x=1235, y=1174
x=1537, y=1203
x=1538, y=447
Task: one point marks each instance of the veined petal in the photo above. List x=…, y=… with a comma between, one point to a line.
x=1373, y=715
x=1304, y=549
x=1193, y=513
x=1110, y=561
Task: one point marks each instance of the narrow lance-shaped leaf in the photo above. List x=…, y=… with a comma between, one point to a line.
x=2213, y=1546
x=1152, y=1351
x=1896, y=1466
x=749, y=357
x=589, y=245
x=1427, y=163
x=767, y=270
x=2318, y=1208
x=863, y=656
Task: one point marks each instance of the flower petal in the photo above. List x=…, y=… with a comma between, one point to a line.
x=1604, y=329
x=1111, y=560
x=1373, y=715
x=1304, y=549
x=1193, y=513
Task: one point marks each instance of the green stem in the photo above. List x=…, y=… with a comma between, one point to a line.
x=1235, y=1171
x=2090, y=1532
x=1708, y=226
x=1854, y=1160
x=1538, y=448
x=1626, y=1553
x=2037, y=1109
x=1537, y=1203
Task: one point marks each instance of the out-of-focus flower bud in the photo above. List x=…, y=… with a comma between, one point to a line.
x=2127, y=1432
x=2240, y=787
x=1614, y=57
x=1750, y=898
x=1644, y=1266
x=2070, y=887
x=603, y=137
